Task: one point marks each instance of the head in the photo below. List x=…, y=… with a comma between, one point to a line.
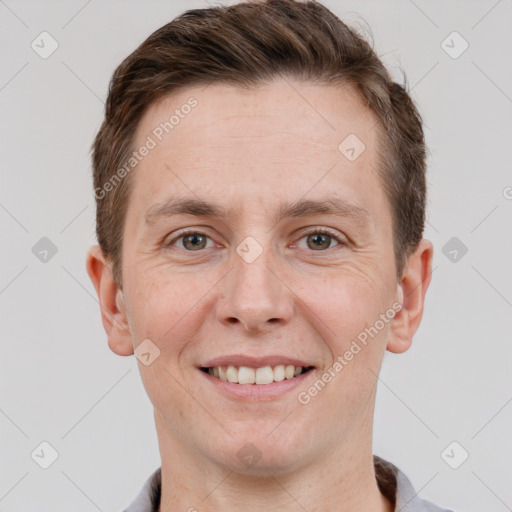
x=272, y=131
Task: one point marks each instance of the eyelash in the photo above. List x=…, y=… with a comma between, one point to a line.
x=321, y=231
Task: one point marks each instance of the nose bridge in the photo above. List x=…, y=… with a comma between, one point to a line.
x=253, y=295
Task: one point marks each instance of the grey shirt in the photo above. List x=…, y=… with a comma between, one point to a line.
x=391, y=481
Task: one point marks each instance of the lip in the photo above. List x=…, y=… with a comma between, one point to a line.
x=253, y=362
x=256, y=392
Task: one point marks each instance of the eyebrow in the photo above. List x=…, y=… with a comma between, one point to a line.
x=300, y=208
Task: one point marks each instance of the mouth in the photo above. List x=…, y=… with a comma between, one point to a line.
x=263, y=375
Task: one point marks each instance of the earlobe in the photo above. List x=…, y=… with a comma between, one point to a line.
x=411, y=293
x=113, y=312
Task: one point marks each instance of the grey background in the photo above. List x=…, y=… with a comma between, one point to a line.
x=60, y=383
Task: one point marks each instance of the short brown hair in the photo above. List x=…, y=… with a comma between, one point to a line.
x=247, y=44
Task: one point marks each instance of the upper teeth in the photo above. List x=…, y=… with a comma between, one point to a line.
x=263, y=375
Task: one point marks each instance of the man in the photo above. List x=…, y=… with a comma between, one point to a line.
x=260, y=187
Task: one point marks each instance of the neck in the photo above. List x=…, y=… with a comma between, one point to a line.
x=342, y=480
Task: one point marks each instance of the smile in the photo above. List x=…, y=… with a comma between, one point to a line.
x=257, y=376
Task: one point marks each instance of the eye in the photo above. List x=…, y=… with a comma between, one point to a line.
x=320, y=239
x=191, y=240
x=317, y=240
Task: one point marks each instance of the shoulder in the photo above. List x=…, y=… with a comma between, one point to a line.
x=148, y=499
x=395, y=484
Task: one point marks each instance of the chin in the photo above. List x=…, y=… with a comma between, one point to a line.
x=263, y=450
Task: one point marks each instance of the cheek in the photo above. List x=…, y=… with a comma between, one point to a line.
x=168, y=306
x=344, y=304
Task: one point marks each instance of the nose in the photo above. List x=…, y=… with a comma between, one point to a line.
x=254, y=294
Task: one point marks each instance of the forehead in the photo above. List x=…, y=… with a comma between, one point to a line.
x=283, y=138
x=327, y=113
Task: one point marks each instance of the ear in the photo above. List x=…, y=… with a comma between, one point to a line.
x=412, y=288
x=110, y=296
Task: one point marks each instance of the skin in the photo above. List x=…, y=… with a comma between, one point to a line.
x=250, y=150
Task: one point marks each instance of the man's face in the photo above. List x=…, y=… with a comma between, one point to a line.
x=254, y=288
